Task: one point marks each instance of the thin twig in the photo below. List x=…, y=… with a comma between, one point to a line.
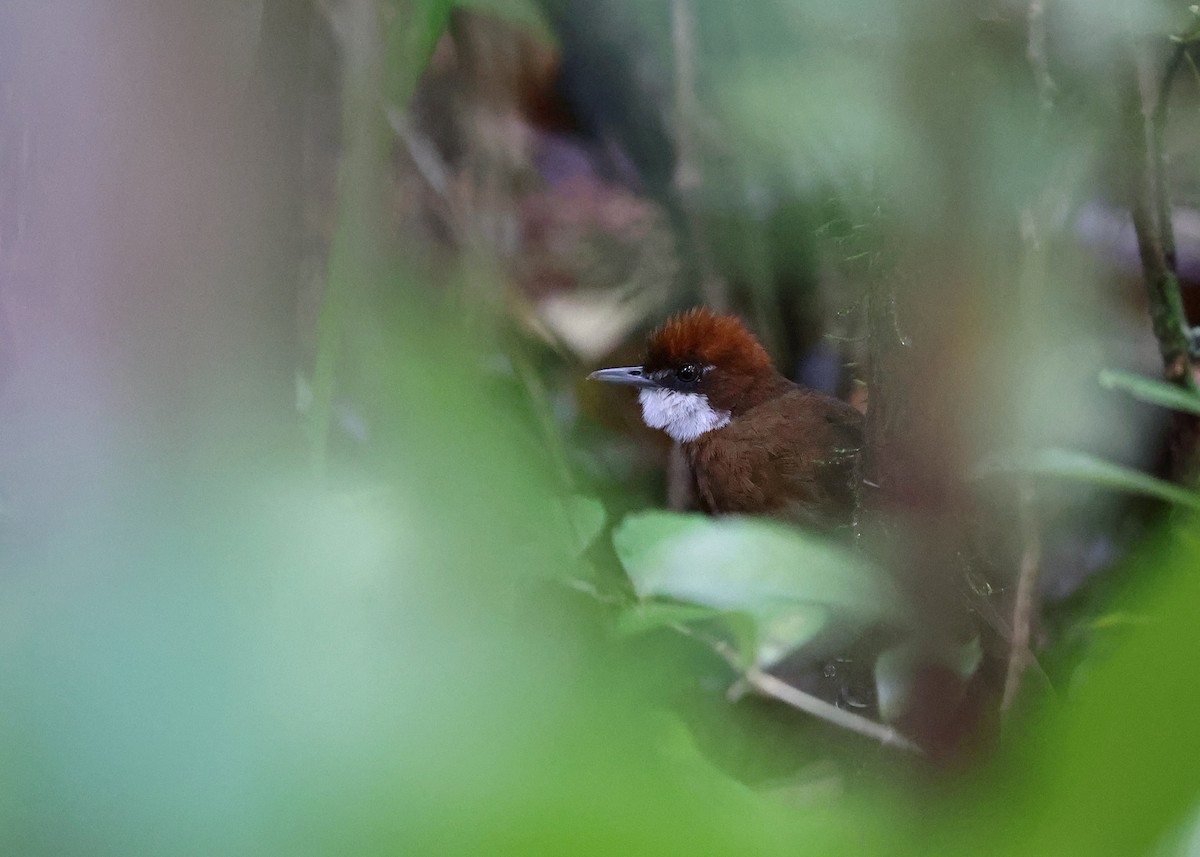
x=784, y=692
x=1158, y=162
x=778, y=689
x=1020, y=655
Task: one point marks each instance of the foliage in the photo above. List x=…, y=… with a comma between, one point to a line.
x=1093, y=470
x=459, y=632
x=788, y=584
x=1149, y=390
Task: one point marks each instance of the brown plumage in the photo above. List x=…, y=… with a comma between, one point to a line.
x=756, y=442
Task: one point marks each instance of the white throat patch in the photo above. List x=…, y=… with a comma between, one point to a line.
x=684, y=416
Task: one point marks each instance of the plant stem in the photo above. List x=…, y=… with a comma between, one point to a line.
x=1020, y=655
x=776, y=688
x=1151, y=211
x=784, y=692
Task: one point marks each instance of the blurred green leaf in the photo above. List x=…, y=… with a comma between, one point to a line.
x=1084, y=467
x=646, y=616
x=1115, y=770
x=789, y=582
x=653, y=615
x=587, y=517
x=1151, y=390
x=1119, y=619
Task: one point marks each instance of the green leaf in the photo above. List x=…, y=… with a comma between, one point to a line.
x=1112, y=770
x=1151, y=390
x=1084, y=467
x=790, y=583
x=742, y=630
x=588, y=517
x=653, y=615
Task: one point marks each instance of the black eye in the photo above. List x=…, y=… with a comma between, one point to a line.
x=688, y=374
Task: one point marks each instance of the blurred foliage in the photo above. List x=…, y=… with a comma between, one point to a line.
x=787, y=584
x=1154, y=392
x=1090, y=469
x=458, y=631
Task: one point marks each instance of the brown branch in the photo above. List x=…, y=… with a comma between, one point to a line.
x=778, y=689
x=775, y=688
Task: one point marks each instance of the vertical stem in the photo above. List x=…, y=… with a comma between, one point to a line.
x=1031, y=284
x=357, y=253
x=1158, y=163
x=1151, y=211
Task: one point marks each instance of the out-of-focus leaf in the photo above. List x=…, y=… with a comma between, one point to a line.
x=741, y=628
x=652, y=615
x=1108, y=773
x=1184, y=841
x=1084, y=467
x=587, y=517
x=789, y=582
x=1151, y=390
x=1119, y=619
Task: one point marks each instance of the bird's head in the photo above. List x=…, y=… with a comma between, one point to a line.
x=698, y=370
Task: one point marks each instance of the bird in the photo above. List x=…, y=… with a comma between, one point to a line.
x=756, y=443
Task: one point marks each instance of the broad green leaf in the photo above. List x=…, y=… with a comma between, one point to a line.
x=787, y=628
x=1084, y=467
x=792, y=584
x=1112, y=770
x=1151, y=390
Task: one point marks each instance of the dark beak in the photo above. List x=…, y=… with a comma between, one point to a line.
x=629, y=375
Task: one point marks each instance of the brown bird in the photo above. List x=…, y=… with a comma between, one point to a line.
x=756, y=442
